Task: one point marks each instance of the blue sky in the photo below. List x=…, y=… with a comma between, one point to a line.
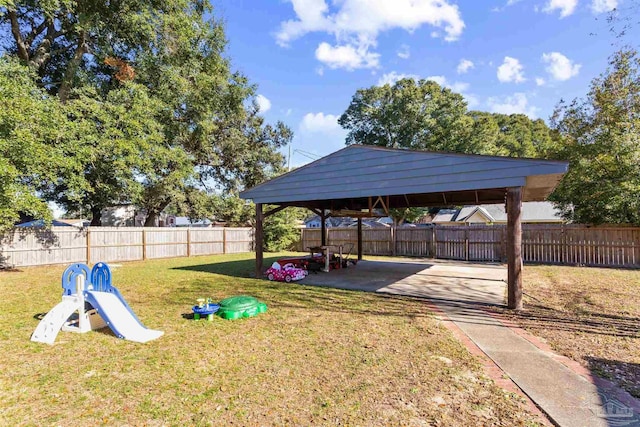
x=308, y=57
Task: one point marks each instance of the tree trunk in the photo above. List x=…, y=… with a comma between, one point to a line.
x=152, y=220
x=23, y=49
x=153, y=215
x=96, y=217
x=72, y=68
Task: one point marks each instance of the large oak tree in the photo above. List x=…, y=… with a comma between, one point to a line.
x=600, y=137
x=152, y=101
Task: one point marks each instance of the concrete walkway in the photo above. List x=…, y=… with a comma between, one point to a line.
x=461, y=290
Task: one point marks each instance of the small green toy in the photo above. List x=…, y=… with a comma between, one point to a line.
x=240, y=306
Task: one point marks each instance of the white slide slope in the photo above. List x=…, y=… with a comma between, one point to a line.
x=51, y=323
x=119, y=319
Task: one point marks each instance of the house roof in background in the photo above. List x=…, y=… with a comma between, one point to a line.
x=39, y=223
x=350, y=176
x=531, y=212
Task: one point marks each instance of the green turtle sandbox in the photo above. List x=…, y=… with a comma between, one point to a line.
x=240, y=306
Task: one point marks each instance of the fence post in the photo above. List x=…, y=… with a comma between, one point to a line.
x=434, y=246
x=503, y=244
x=224, y=240
x=144, y=244
x=88, y=246
x=360, y=250
x=466, y=244
x=393, y=240
x=636, y=244
x=563, y=245
x=301, y=245
x=188, y=241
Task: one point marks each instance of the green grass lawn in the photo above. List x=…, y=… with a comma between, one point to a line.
x=318, y=356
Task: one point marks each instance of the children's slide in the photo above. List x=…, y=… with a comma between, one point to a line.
x=119, y=318
x=90, y=301
x=51, y=323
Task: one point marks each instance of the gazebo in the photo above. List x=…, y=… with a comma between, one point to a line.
x=362, y=181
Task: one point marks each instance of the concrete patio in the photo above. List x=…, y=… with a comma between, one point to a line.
x=444, y=281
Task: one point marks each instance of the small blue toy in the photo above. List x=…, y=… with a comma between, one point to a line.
x=207, y=310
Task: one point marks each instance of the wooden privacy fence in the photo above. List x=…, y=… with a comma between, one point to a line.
x=64, y=245
x=605, y=246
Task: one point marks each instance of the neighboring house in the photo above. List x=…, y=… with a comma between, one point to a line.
x=120, y=216
x=532, y=212
x=39, y=223
x=183, y=221
x=131, y=216
x=314, y=222
x=371, y=223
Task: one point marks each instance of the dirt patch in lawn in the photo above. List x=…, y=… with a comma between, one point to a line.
x=318, y=356
x=591, y=315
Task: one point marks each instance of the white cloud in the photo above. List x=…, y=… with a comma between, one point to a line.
x=311, y=17
x=472, y=101
x=602, y=6
x=356, y=17
x=513, y=104
x=404, y=52
x=319, y=122
x=559, y=66
x=457, y=87
x=464, y=66
x=540, y=81
x=511, y=71
x=356, y=24
x=509, y=3
x=392, y=77
x=263, y=103
x=566, y=7
x=347, y=56
x=441, y=80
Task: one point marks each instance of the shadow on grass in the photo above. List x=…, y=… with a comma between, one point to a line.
x=242, y=268
x=290, y=295
x=588, y=322
x=351, y=290
x=625, y=374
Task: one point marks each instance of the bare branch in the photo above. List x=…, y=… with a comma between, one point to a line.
x=43, y=52
x=72, y=67
x=35, y=32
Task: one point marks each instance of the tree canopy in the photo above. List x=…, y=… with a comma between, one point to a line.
x=144, y=99
x=422, y=115
x=33, y=150
x=600, y=137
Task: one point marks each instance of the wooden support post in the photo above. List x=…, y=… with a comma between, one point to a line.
x=323, y=229
x=259, y=237
x=514, y=248
x=359, y=239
